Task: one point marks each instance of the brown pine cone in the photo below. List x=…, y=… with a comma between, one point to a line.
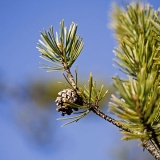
x=67, y=95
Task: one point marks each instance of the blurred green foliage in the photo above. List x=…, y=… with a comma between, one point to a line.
x=44, y=93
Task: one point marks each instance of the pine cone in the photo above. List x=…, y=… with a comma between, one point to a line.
x=67, y=95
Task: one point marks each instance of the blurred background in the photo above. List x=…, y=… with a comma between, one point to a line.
x=28, y=126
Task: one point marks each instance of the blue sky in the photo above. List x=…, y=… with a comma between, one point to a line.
x=21, y=23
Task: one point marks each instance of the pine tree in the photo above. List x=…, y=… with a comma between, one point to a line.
x=137, y=102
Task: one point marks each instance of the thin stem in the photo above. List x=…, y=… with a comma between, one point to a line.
x=111, y=120
x=69, y=75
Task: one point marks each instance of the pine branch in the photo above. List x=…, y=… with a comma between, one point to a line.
x=151, y=148
x=69, y=75
x=146, y=144
x=111, y=120
x=137, y=31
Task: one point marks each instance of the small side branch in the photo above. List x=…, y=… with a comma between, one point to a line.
x=70, y=76
x=146, y=144
x=111, y=120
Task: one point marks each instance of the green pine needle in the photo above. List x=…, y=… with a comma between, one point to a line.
x=56, y=49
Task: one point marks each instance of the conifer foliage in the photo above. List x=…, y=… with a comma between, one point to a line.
x=137, y=103
x=137, y=31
